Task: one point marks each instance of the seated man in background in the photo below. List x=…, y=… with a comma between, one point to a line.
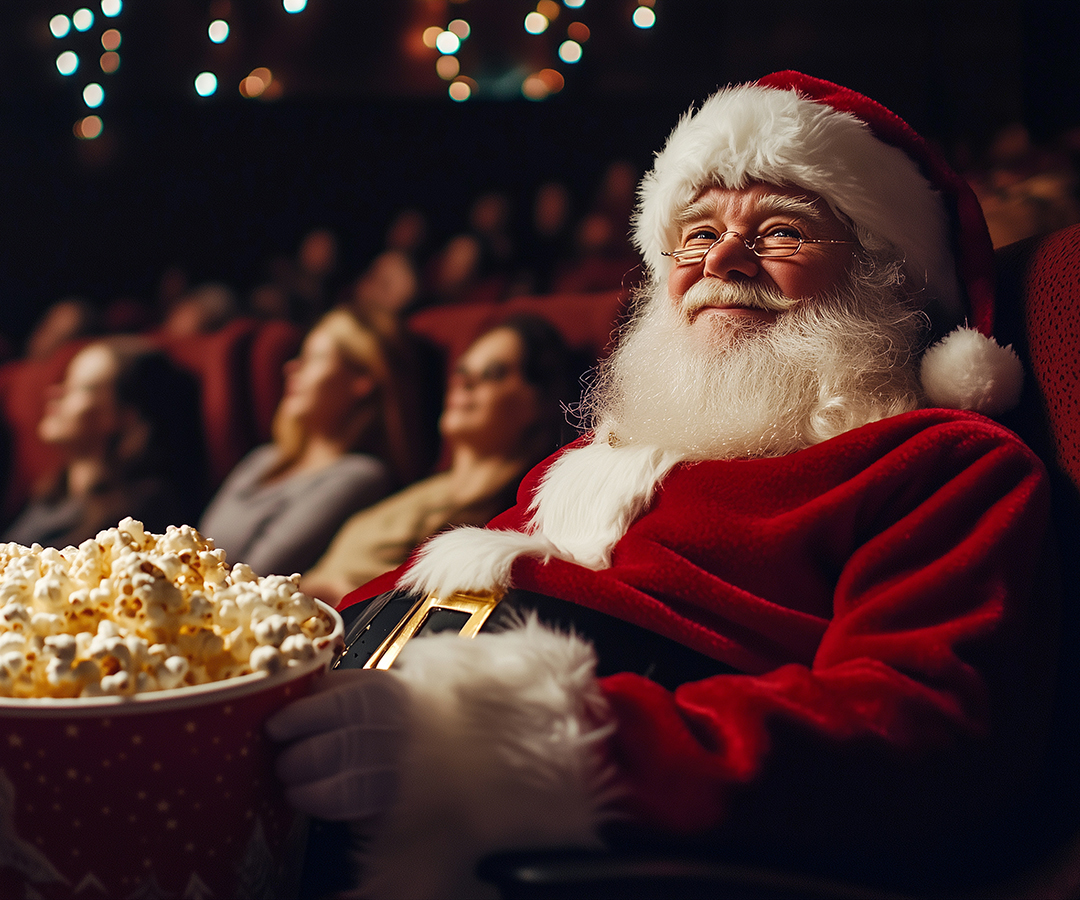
x=805, y=578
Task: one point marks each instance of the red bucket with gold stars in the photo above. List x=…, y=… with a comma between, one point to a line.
x=165, y=794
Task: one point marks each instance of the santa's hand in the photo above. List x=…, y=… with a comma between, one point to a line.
x=344, y=740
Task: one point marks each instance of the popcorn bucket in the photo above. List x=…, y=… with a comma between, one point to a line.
x=170, y=793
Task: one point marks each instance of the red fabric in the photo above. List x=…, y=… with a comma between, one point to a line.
x=879, y=593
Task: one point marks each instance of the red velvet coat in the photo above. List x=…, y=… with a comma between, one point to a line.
x=885, y=594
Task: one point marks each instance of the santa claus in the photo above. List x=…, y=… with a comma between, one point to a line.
x=785, y=597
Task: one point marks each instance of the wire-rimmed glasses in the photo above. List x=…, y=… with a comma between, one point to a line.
x=768, y=246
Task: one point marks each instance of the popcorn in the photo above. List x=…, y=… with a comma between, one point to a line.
x=130, y=611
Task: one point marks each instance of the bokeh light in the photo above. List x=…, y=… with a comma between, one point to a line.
x=111, y=38
x=110, y=61
x=257, y=82
x=294, y=6
x=448, y=42
x=83, y=19
x=448, y=67
x=431, y=36
x=93, y=95
x=570, y=51
x=67, y=62
x=549, y=9
x=536, y=23
x=644, y=17
x=460, y=27
x=461, y=89
x=218, y=31
x=88, y=128
x=111, y=8
x=578, y=31
x=60, y=26
x=573, y=4
x=205, y=84
x=541, y=84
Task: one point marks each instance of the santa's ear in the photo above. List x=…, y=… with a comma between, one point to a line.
x=968, y=370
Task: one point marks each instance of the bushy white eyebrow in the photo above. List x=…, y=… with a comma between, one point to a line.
x=770, y=205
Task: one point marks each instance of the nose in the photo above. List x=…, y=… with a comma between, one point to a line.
x=730, y=258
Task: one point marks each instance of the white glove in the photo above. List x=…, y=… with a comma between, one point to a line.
x=344, y=741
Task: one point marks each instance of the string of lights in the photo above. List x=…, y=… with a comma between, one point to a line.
x=66, y=29
x=561, y=30
x=534, y=85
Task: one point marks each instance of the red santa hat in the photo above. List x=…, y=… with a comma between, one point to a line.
x=876, y=172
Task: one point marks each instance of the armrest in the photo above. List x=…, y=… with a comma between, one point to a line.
x=599, y=875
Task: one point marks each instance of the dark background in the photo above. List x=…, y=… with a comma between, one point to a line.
x=363, y=126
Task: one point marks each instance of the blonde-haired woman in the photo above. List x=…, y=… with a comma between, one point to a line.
x=339, y=444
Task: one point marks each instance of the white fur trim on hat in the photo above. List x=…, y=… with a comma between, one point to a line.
x=756, y=133
x=506, y=750
x=967, y=370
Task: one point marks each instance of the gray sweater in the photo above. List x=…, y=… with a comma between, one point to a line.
x=283, y=527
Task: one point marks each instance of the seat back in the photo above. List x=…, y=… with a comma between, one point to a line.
x=239, y=370
x=1039, y=314
x=585, y=320
x=24, y=387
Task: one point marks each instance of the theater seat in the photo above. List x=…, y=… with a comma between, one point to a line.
x=1039, y=300
x=24, y=385
x=585, y=320
x=239, y=369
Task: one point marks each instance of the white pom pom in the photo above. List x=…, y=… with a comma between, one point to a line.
x=967, y=370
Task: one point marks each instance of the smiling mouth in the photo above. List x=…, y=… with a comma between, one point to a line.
x=734, y=311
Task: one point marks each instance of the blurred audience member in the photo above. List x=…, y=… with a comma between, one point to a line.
x=387, y=287
x=408, y=233
x=600, y=260
x=270, y=300
x=502, y=413
x=339, y=444
x=601, y=257
x=204, y=308
x=127, y=422
x=476, y=264
x=65, y=320
x=172, y=284
x=316, y=268
x=549, y=236
x=618, y=196
x=1025, y=189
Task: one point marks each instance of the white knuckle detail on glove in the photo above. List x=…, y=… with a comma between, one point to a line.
x=343, y=745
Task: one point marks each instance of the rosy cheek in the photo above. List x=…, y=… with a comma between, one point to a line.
x=676, y=285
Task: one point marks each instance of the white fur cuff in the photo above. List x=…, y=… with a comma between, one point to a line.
x=505, y=752
x=471, y=559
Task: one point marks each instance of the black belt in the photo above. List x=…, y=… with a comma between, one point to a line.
x=376, y=629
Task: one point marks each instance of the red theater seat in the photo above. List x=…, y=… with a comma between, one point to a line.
x=239, y=370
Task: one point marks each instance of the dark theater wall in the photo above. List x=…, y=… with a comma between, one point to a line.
x=220, y=185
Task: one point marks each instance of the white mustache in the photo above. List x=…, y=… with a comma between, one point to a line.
x=712, y=292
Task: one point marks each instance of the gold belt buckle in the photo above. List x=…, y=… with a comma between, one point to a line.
x=475, y=606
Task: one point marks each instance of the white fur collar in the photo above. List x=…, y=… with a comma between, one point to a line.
x=585, y=503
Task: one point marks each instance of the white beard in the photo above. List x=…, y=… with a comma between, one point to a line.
x=668, y=394
x=825, y=366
